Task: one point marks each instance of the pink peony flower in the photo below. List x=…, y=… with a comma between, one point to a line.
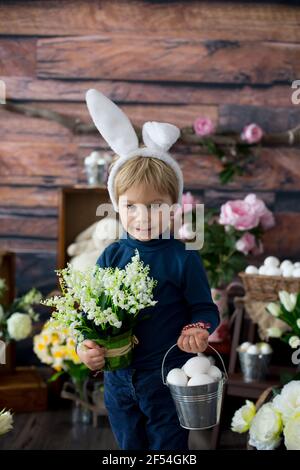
x=204, y=126
x=265, y=215
x=252, y=133
x=239, y=214
x=246, y=243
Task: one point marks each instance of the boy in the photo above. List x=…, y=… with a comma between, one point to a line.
x=141, y=410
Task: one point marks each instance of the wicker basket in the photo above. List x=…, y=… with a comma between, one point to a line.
x=266, y=288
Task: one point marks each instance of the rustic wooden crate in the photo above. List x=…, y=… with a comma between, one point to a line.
x=23, y=391
x=77, y=211
x=7, y=272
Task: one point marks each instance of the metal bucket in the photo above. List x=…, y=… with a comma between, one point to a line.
x=254, y=366
x=197, y=406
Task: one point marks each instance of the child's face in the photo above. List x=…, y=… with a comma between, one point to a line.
x=136, y=215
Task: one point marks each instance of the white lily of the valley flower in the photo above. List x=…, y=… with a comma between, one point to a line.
x=19, y=326
x=265, y=429
x=292, y=433
x=288, y=401
x=243, y=417
x=288, y=300
x=274, y=332
x=294, y=342
x=6, y=422
x=274, y=309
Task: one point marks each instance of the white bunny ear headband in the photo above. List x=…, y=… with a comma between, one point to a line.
x=117, y=130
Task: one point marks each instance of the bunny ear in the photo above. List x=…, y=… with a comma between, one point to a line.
x=160, y=135
x=112, y=123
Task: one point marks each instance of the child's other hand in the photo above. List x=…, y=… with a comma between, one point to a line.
x=91, y=354
x=193, y=340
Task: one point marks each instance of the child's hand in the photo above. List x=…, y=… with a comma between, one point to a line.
x=91, y=354
x=193, y=340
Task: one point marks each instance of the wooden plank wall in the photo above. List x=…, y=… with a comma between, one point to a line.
x=231, y=61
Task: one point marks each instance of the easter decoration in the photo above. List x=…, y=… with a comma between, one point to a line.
x=255, y=360
x=197, y=389
x=6, y=421
x=275, y=421
x=102, y=304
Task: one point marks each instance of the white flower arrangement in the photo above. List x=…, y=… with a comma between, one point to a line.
x=6, y=422
x=16, y=320
x=287, y=310
x=102, y=303
x=279, y=417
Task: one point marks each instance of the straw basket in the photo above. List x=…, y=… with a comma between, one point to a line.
x=197, y=406
x=266, y=288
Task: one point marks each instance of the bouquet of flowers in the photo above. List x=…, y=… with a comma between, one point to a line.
x=267, y=424
x=56, y=347
x=287, y=310
x=102, y=304
x=16, y=320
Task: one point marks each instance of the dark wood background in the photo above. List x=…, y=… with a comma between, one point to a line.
x=172, y=61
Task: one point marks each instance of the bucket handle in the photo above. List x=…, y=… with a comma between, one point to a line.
x=163, y=362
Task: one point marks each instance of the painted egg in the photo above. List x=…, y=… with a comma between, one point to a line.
x=296, y=272
x=211, y=360
x=200, y=379
x=177, y=377
x=262, y=270
x=196, y=365
x=244, y=346
x=297, y=264
x=273, y=271
x=265, y=348
x=271, y=261
x=287, y=270
x=214, y=372
x=251, y=270
x=286, y=263
x=253, y=349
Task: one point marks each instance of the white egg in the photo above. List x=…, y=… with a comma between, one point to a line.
x=296, y=272
x=262, y=270
x=273, y=271
x=265, y=348
x=253, y=349
x=251, y=270
x=271, y=261
x=287, y=271
x=244, y=346
x=200, y=379
x=196, y=365
x=177, y=377
x=297, y=264
x=214, y=372
x=211, y=360
x=286, y=263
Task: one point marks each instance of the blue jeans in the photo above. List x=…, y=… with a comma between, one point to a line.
x=141, y=411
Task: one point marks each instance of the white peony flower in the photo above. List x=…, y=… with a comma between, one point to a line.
x=294, y=342
x=274, y=332
x=243, y=417
x=292, y=433
x=288, y=300
x=19, y=326
x=6, y=422
x=266, y=428
x=288, y=401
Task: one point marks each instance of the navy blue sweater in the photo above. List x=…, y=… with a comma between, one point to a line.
x=182, y=292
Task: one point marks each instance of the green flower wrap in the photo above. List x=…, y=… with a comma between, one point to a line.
x=119, y=350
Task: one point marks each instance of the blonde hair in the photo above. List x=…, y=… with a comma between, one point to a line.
x=149, y=170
